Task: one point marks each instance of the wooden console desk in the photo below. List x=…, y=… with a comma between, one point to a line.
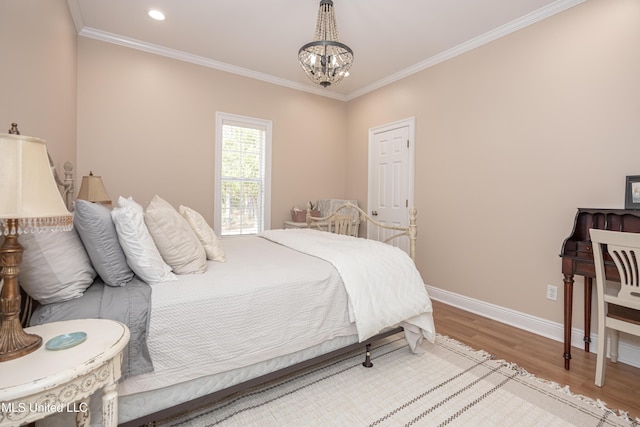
x=577, y=259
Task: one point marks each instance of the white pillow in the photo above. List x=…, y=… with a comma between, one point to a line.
x=206, y=235
x=141, y=253
x=55, y=266
x=176, y=242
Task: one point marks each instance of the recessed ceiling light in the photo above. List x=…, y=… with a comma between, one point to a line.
x=156, y=14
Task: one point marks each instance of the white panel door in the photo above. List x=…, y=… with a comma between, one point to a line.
x=391, y=178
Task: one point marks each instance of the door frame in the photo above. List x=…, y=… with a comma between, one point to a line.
x=409, y=122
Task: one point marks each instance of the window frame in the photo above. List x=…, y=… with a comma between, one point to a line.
x=239, y=120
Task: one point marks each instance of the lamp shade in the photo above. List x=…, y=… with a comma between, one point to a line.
x=28, y=191
x=92, y=189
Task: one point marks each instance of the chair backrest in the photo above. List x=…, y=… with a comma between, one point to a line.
x=624, y=250
x=344, y=218
x=343, y=224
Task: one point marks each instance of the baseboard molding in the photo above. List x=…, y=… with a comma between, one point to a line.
x=629, y=352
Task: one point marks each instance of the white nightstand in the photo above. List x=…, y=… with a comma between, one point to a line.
x=295, y=224
x=46, y=382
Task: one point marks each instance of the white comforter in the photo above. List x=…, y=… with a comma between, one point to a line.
x=264, y=302
x=383, y=285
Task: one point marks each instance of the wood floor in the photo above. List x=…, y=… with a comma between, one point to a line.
x=542, y=357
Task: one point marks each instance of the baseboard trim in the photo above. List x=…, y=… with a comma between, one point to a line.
x=629, y=352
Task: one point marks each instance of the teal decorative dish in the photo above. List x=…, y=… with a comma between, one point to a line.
x=64, y=341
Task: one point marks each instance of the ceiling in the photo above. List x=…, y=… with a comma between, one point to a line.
x=260, y=39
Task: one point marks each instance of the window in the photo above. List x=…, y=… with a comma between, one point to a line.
x=242, y=174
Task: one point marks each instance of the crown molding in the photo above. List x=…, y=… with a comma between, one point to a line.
x=76, y=14
x=518, y=24
x=200, y=60
x=522, y=22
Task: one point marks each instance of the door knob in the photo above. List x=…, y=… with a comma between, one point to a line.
x=374, y=213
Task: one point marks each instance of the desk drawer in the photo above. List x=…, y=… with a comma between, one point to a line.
x=584, y=250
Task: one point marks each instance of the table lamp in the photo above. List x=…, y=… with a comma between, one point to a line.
x=92, y=189
x=29, y=203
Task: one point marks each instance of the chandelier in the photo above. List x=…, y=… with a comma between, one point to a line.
x=325, y=60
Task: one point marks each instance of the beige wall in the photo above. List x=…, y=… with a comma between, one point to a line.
x=147, y=126
x=38, y=73
x=512, y=137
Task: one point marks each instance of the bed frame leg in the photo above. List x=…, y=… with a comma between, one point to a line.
x=367, y=358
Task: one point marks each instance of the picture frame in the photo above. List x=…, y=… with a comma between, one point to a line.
x=632, y=192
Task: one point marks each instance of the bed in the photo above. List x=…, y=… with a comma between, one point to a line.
x=259, y=307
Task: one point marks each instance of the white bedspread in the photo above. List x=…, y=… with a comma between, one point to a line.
x=384, y=287
x=265, y=301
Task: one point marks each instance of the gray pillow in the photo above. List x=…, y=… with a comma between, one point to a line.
x=98, y=233
x=55, y=267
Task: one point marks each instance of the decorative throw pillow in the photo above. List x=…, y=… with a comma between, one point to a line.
x=55, y=266
x=141, y=253
x=100, y=238
x=178, y=245
x=208, y=238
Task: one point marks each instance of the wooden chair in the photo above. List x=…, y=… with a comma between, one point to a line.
x=345, y=219
x=619, y=306
x=343, y=224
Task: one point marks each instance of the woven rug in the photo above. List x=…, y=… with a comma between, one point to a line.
x=450, y=384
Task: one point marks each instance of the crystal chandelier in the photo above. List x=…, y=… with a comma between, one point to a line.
x=325, y=60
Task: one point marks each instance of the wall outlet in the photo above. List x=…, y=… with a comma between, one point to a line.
x=552, y=292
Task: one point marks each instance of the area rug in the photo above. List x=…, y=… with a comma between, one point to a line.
x=448, y=385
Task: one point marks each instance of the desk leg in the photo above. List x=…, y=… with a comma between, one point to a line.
x=568, y=308
x=83, y=416
x=110, y=406
x=588, y=291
